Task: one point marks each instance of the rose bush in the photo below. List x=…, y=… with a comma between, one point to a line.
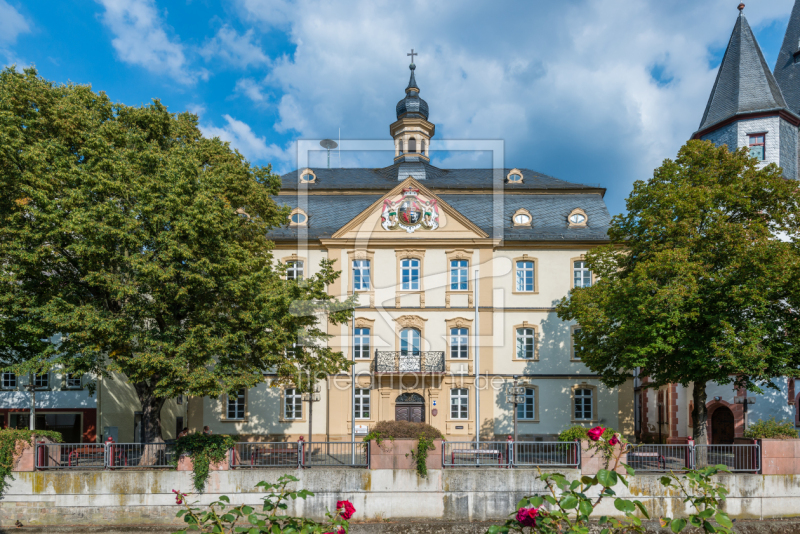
x=345, y=509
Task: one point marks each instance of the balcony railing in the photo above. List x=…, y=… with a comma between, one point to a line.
x=409, y=362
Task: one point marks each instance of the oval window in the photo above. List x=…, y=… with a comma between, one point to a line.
x=515, y=178
x=307, y=178
x=298, y=218
x=577, y=218
x=521, y=218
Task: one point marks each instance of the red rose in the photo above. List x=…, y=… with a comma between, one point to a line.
x=345, y=509
x=614, y=440
x=527, y=516
x=595, y=433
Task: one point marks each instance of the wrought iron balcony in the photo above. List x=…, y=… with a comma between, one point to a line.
x=409, y=362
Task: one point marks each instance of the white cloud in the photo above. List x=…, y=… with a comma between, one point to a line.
x=140, y=38
x=253, y=147
x=251, y=89
x=237, y=50
x=568, y=85
x=12, y=24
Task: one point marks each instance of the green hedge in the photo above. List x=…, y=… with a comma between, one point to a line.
x=14, y=441
x=580, y=432
x=771, y=429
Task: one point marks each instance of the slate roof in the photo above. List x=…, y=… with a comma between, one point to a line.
x=412, y=105
x=386, y=178
x=744, y=82
x=787, y=72
x=328, y=213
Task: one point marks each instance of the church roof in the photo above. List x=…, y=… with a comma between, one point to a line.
x=412, y=105
x=744, y=82
x=787, y=72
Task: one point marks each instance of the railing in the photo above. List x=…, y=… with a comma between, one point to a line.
x=546, y=454
x=740, y=457
x=471, y=454
x=335, y=454
x=409, y=362
x=266, y=454
x=660, y=457
x=70, y=455
x=141, y=455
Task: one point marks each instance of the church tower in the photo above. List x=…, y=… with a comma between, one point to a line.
x=412, y=132
x=747, y=107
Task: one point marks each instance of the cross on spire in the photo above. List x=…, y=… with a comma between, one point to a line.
x=412, y=54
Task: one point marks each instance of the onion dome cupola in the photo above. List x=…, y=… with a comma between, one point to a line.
x=412, y=132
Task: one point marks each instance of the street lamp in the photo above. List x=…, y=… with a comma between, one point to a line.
x=515, y=395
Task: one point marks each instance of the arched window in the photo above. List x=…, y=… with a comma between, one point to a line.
x=412, y=145
x=400, y=145
x=409, y=341
x=423, y=147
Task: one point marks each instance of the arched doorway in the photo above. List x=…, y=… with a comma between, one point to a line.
x=722, y=424
x=409, y=407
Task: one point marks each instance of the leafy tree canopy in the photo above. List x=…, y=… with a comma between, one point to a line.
x=700, y=281
x=144, y=245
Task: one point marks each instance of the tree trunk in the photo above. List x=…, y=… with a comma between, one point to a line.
x=700, y=413
x=151, y=412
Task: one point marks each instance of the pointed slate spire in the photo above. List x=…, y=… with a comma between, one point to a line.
x=744, y=82
x=412, y=83
x=787, y=68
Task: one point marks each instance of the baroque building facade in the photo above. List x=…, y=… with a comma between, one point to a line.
x=456, y=273
x=753, y=107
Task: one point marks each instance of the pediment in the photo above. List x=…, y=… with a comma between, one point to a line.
x=410, y=211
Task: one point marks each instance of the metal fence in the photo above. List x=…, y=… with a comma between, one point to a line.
x=70, y=455
x=141, y=455
x=335, y=454
x=546, y=454
x=266, y=454
x=738, y=457
x=471, y=454
x=660, y=457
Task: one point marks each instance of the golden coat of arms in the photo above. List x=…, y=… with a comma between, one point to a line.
x=410, y=213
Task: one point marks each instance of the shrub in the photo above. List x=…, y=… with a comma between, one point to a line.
x=579, y=432
x=204, y=449
x=771, y=429
x=12, y=443
x=403, y=430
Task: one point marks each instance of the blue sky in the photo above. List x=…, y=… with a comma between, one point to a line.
x=592, y=91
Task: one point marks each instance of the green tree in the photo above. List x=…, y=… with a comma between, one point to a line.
x=699, y=283
x=145, y=246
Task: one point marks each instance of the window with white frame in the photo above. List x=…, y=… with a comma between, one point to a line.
x=9, y=381
x=236, y=405
x=527, y=409
x=525, y=281
x=361, y=275
x=361, y=343
x=581, y=274
x=459, y=403
x=458, y=275
x=409, y=269
x=72, y=381
x=294, y=270
x=584, y=404
x=292, y=404
x=410, y=341
x=41, y=381
x=459, y=343
x=362, y=403
x=526, y=338
x=575, y=347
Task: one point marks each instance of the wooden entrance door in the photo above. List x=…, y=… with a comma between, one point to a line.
x=722, y=424
x=410, y=412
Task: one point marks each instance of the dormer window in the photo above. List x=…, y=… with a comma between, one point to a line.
x=577, y=218
x=521, y=217
x=757, y=146
x=298, y=217
x=514, y=177
x=308, y=177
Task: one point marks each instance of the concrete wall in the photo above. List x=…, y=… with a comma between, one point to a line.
x=145, y=497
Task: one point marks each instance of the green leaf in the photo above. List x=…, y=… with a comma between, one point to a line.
x=723, y=519
x=631, y=471
x=705, y=514
x=708, y=527
x=585, y=507
x=569, y=502
x=550, y=499
x=225, y=498
x=536, y=501
x=247, y=510
x=606, y=478
x=522, y=503
x=574, y=485
x=677, y=525
x=642, y=508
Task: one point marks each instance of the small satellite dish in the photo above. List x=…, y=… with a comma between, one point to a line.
x=328, y=144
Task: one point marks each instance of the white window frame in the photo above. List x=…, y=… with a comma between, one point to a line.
x=459, y=343
x=581, y=396
x=362, y=402
x=361, y=275
x=236, y=405
x=459, y=279
x=410, y=341
x=459, y=403
x=579, y=274
x=361, y=343
x=410, y=269
x=294, y=270
x=8, y=380
x=72, y=382
x=574, y=354
x=527, y=411
x=41, y=380
x=526, y=336
x=526, y=272
x=292, y=404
